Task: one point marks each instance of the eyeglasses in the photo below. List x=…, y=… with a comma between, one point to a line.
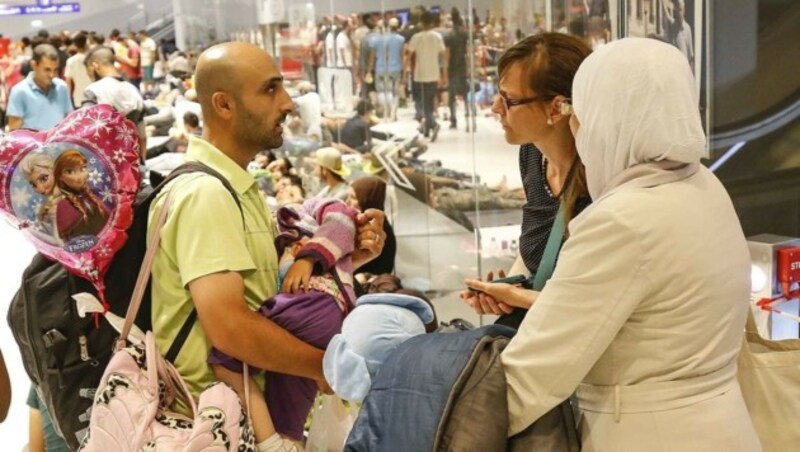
x=508, y=103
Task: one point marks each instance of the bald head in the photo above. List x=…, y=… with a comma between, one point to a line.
x=240, y=90
x=101, y=55
x=225, y=68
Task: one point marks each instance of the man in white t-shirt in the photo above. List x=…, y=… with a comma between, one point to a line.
x=148, y=49
x=430, y=70
x=109, y=88
x=330, y=47
x=188, y=104
x=75, y=71
x=344, y=46
x=309, y=106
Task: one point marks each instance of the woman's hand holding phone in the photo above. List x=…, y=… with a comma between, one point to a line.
x=483, y=303
x=491, y=297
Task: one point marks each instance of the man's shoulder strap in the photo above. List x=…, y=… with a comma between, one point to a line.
x=188, y=168
x=197, y=167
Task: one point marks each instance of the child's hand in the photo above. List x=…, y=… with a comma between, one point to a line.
x=298, y=276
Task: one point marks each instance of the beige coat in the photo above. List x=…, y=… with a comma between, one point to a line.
x=644, y=315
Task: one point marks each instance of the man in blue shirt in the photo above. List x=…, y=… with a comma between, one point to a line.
x=41, y=100
x=386, y=62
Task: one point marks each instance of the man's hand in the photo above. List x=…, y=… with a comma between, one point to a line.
x=324, y=387
x=370, y=236
x=298, y=276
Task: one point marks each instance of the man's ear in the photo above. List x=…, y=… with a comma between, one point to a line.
x=223, y=104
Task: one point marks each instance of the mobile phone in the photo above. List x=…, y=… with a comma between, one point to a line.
x=516, y=280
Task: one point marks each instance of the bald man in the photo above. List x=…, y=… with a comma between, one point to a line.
x=207, y=260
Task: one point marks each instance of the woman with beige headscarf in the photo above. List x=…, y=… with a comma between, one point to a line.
x=645, y=311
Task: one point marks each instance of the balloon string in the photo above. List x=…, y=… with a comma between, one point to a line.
x=106, y=307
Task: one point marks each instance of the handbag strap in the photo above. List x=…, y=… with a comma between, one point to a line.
x=144, y=272
x=548, y=262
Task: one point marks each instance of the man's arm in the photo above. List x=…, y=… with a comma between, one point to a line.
x=243, y=334
x=70, y=86
x=16, y=108
x=371, y=61
x=344, y=149
x=444, y=57
x=14, y=123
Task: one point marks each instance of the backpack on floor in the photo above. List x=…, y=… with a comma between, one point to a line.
x=65, y=354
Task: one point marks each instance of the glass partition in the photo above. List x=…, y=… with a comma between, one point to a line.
x=455, y=195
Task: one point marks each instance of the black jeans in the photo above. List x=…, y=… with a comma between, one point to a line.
x=427, y=94
x=457, y=86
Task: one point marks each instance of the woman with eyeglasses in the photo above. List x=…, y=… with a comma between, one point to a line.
x=535, y=86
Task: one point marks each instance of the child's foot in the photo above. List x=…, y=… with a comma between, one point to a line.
x=276, y=443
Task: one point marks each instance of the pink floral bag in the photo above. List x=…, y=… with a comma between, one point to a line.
x=131, y=408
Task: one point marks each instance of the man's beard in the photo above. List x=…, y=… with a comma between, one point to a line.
x=253, y=131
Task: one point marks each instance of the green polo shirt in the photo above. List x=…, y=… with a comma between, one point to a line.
x=204, y=235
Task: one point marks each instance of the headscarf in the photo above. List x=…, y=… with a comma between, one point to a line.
x=640, y=124
x=370, y=192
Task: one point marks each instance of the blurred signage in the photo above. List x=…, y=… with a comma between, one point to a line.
x=42, y=7
x=271, y=11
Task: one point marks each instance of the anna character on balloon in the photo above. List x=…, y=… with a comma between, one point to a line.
x=80, y=212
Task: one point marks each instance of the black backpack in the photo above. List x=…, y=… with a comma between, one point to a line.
x=65, y=355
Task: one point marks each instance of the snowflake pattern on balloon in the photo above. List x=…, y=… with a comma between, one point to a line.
x=119, y=156
x=107, y=195
x=20, y=196
x=95, y=178
x=37, y=205
x=70, y=124
x=86, y=265
x=104, y=250
x=124, y=135
x=98, y=123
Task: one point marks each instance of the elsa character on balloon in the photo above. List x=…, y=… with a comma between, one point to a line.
x=38, y=171
x=79, y=211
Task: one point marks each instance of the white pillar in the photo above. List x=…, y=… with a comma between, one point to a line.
x=180, y=25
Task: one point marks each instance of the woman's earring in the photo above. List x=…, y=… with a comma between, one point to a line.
x=549, y=121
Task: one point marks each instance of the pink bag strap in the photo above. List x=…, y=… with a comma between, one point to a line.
x=168, y=371
x=144, y=272
x=246, y=376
